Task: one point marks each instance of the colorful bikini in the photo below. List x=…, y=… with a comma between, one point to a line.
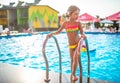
x=73, y=28
x=70, y=29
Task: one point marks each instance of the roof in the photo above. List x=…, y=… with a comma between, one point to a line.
x=47, y=6
x=7, y=7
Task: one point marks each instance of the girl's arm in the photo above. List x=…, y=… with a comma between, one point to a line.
x=81, y=30
x=58, y=31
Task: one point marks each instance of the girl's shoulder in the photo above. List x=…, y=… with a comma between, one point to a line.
x=66, y=23
x=77, y=22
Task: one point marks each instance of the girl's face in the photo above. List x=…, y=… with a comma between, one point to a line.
x=75, y=15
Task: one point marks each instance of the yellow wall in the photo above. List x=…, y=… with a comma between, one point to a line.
x=43, y=16
x=4, y=17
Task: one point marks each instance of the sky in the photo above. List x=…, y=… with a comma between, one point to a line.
x=102, y=8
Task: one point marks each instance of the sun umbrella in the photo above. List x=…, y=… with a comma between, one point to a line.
x=107, y=21
x=87, y=18
x=115, y=16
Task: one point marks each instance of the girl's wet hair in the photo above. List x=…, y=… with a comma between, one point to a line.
x=72, y=9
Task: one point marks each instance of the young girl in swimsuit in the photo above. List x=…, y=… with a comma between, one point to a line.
x=72, y=28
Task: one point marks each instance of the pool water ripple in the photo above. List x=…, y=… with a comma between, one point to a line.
x=26, y=51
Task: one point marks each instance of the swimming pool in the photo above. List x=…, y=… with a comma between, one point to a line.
x=26, y=51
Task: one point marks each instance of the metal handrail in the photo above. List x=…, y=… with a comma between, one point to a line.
x=80, y=64
x=47, y=80
x=88, y=55
x=79, y=60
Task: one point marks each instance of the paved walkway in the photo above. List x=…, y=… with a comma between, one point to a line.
x=14, y=74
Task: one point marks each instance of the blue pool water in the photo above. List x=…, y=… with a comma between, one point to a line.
x=26, y=51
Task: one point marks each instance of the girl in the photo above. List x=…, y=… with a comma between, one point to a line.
x=72, y=27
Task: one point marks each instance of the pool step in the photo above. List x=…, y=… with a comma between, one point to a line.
x=14, y=74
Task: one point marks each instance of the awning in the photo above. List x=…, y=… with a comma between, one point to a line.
x=87, y=18
x=115, y=16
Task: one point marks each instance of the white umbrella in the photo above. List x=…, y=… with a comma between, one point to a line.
x=107, y=21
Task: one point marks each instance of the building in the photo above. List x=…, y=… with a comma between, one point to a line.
x=39, y=17
x=7, y=16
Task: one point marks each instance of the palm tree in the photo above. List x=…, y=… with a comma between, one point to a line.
x=37, y=1
x=20, y=3
x=11, y=4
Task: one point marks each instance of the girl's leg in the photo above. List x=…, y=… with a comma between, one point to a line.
x=75, y=61
x=74, y=66
x=71, y=56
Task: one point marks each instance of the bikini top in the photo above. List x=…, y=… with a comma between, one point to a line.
x=73, y=28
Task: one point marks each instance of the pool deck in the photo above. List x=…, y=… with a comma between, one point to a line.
x=14, y=74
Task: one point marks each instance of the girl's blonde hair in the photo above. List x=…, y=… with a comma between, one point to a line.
x=72, y=9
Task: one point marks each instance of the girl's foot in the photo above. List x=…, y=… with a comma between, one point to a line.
x=74, y=78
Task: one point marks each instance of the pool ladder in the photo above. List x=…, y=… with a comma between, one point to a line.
x=47, y=80
x=88, y=56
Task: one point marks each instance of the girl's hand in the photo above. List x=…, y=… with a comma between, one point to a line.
x=83, y=36
x=49, y=35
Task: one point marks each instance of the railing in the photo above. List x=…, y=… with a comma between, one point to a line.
x=87, y=47
x=47, y=80
x=80, y=64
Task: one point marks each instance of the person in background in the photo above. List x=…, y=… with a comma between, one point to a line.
x=111, y=29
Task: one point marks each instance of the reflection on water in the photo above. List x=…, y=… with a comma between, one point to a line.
x=26, y=51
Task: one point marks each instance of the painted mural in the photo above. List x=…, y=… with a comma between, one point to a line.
x=43, y=17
